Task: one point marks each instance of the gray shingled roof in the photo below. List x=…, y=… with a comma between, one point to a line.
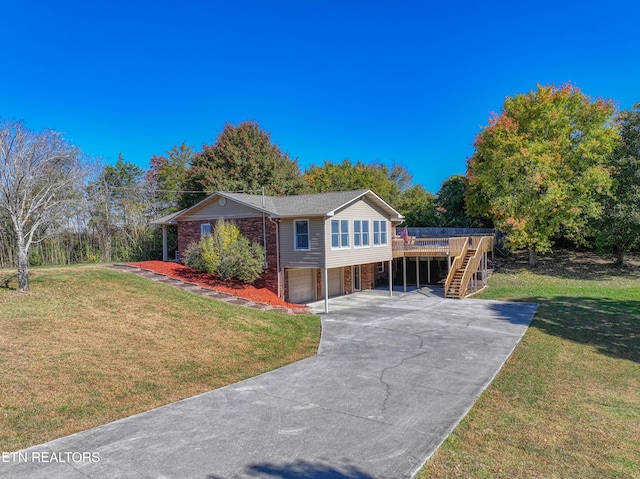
x=168, y=219
x=318, y=204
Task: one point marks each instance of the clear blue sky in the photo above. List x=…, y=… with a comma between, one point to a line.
x=410, y=82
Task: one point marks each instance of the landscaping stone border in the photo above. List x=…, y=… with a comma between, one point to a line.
x=203, y=291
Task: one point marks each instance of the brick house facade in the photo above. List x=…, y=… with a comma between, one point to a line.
x=253, y=228
x=300, y=235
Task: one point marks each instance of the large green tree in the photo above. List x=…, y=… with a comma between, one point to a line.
x=619, y=227
x=452, y=204
x=167, y=176
x=386, y=182
x=539, y=167
x=418, y=206
x=242, y=159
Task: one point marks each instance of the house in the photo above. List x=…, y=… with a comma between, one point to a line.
x=317, y=245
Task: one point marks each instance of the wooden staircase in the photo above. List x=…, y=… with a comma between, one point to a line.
x=455, y=286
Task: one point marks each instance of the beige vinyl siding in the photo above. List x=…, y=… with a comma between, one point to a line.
x=214, y=210
x=360, y=210
x=314, y=257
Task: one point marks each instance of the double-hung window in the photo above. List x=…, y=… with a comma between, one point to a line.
x=205, y=229
x=360, y=233
x=339, y=234
x=301, y=235
x=379, y=233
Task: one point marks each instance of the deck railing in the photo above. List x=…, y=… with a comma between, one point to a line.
x=440, y=246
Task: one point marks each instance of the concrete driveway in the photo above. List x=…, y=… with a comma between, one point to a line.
x=392, y=378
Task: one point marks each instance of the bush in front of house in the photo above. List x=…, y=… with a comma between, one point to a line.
x=227, y=254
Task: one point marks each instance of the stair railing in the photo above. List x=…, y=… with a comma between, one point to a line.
x=457, y=264
x=472, y=265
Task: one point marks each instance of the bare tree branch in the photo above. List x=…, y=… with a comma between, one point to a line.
x=40, y=172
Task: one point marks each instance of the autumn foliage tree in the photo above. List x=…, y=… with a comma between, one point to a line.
x=539, y=168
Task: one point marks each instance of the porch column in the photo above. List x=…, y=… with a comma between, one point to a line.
x=429, y=270
x=418, y=272
x=390, y=278
x=326, y=290
x=404, y=272
x=165, y=255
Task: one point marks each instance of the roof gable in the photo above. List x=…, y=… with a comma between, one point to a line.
x=317, y=204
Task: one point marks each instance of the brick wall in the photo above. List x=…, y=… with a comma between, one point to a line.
x=252, y=228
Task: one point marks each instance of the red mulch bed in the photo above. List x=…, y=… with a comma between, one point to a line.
x=236, y=288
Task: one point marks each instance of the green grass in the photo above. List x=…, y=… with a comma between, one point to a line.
x=567, y=403
x=90, y=345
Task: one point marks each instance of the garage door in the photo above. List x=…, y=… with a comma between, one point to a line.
x=301, y=285
x=335, y=282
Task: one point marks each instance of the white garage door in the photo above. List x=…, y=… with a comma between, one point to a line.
x=335, y=282
x=301, y=285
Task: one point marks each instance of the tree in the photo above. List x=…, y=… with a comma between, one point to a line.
x=242, y=159
x=120, y=208
x=388, y=183
x=40, y=173
x=538, y=169
x=452, y=205
x=418, y=207
x=619, y=227
x=167, y=176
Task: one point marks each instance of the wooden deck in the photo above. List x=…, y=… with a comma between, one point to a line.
x=439, y=247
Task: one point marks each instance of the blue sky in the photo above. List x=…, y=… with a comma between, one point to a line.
x=410, y=82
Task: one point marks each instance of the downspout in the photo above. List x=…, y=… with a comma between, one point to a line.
x=277, y=223
x=264, y=232
x=264, y=241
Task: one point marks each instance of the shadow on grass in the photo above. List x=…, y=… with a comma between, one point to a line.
x=568, y=264
x=303, y=470
x=613, y=326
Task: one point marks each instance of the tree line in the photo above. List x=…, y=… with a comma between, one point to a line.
x=552, y=164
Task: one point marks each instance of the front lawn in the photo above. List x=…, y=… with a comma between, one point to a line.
x=567, y=403
x=90, y=345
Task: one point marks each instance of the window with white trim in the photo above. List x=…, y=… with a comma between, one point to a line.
x=301, y=235
x=205, y=229
x=361, y=233
x=339, y=234
x=379, y=233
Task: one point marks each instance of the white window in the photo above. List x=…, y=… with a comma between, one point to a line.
x=301, y=235
x=360, y=233
x=379, y=233
x=205, y=229
x=339, y=234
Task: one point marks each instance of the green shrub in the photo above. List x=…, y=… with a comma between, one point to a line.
x=193, y=256
x=227, y=254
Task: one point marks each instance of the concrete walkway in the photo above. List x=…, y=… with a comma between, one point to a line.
x=392, y=378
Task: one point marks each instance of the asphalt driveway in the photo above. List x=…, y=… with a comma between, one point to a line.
x=392, y=379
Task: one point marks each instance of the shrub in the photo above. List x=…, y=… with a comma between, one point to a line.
x=193, y=256
x=227, y=254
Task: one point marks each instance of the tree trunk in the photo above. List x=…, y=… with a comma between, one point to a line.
x=619, y=254
x=532, y=256
x=23, y=267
